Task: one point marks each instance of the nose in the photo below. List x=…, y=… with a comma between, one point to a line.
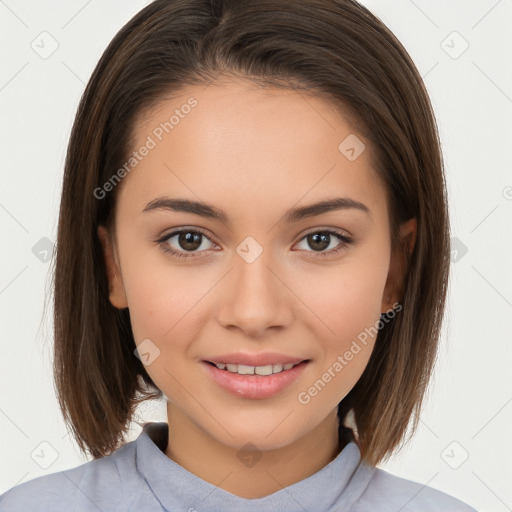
x=255, y=298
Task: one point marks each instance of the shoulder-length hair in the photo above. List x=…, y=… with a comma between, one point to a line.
x=335, y=49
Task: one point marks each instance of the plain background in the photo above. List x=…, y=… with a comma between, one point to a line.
x=461, y=48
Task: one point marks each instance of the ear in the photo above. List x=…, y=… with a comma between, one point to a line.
x=393, y=290
x=117, y=295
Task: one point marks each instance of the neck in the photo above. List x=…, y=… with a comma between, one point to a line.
x=250, y=474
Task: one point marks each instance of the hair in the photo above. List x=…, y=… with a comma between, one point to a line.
x=333, y=49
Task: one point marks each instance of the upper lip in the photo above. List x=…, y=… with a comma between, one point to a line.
x=263, y=359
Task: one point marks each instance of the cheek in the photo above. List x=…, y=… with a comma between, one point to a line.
x=160, y=297
x=164, y=304
x=344, y=326
x=343, y=300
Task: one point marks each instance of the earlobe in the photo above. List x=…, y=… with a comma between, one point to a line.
x=117, y=295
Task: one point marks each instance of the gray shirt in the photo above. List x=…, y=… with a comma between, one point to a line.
x=139, y=477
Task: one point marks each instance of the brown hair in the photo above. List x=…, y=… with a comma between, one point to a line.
x=335, y=49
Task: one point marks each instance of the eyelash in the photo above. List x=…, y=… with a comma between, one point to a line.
x=345, y=241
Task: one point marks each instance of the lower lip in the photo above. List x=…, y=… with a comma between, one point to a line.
x=254, y=386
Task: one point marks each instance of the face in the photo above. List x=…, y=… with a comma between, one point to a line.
x=254, y=281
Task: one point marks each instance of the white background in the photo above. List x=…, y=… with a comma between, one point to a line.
x=469, y=410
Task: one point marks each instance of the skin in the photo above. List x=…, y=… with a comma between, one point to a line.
x=254, y=153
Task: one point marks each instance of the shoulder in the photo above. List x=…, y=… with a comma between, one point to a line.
x=393, y=493
x=98, y=484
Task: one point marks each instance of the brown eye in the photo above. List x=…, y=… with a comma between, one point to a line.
x=319, y=241
x=189, y=241
x=186, y=240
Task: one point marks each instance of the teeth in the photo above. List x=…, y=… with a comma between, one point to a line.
x=251, y=370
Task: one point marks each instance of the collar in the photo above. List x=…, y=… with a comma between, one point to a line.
x=341, y=481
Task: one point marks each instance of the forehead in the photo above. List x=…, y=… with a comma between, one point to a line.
x=237, y=143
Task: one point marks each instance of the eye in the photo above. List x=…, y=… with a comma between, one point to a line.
x=321, y=240
x=191, y=240
x=186, y=240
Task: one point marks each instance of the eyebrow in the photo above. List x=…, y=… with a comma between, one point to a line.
x=292, y=215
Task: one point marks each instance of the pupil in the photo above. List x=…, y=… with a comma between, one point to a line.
x=190, y=240
x=319, y=241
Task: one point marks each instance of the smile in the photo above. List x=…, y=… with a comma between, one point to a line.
x=254, y=382
x=243, y=369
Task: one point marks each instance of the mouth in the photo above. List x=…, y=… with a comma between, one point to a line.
x=255, y=382
x=242, y=369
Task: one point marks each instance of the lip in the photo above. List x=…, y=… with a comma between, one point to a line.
x=263, y=359
x=254, y=386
